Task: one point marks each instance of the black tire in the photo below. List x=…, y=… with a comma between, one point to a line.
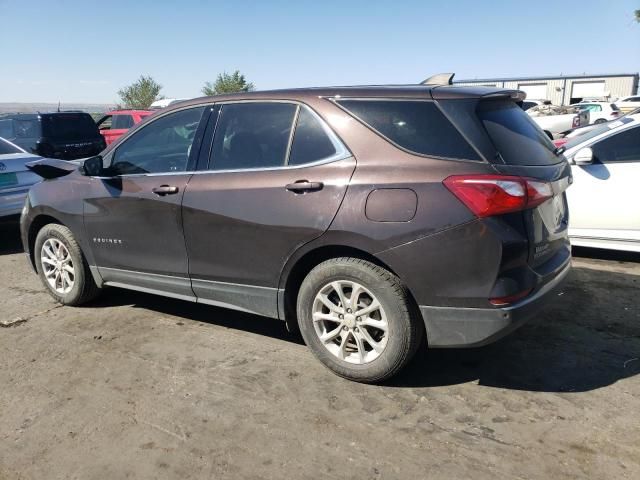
x=599, y=121
x=84, y=288
x=405, y=328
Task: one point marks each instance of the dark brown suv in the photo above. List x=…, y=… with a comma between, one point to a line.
x=369, y=217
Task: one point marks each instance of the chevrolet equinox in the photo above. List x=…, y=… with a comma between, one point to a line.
x=367, y=217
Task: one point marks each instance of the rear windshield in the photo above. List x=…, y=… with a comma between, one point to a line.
x=515, y=135
x=415, y=125
x=69, y=126
x=6, y=148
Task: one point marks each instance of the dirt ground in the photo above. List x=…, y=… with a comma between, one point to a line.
x=138, y=386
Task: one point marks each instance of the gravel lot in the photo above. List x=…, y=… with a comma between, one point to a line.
x=137, y=386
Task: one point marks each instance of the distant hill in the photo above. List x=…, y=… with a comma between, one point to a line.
x=52, y=107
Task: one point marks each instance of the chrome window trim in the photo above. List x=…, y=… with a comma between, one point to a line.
x=342, y=152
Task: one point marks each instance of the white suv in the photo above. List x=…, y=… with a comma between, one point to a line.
x=599, y=112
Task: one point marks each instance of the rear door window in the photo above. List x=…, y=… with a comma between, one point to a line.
x=414, y=125
x=7, y=148
x=121, y=122
x=252, y=135
x=517, y=138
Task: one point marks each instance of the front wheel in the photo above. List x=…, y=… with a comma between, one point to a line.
x=62, y=267
x=358, y=320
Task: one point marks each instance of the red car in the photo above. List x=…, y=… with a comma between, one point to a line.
x=115, y=123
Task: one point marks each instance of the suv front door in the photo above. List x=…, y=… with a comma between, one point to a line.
x=602, y=200
x=275, y=179
x=133, y=216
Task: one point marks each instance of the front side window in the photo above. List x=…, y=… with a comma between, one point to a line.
x=417, y=126
x=162, y=146
x=122, y=122
x=252, y=135
x=622, y=147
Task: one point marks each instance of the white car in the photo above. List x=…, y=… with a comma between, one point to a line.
x=604, y=208
x=626, y=104
x=599, y=112
x=15, y=178
x=554, y=119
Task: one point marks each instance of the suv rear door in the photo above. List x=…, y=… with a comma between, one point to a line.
x=274, y=181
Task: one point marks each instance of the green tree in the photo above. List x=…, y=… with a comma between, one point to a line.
x=140, y=94
x=228, y=83
x=638, y=16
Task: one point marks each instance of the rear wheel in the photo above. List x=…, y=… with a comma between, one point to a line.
x=599, y=121
x=357, y=319
x=62, y=267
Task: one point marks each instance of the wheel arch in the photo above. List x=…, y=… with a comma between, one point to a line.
x=35, y=226
x=297, y=269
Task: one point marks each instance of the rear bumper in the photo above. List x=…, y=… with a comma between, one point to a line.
x=451, y=327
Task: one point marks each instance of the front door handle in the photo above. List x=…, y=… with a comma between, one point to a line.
x=302, y=186
x=163, y=190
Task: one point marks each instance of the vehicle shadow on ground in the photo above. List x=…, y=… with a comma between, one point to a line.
x=10, y=237
x=184, y=310
x=587, y=338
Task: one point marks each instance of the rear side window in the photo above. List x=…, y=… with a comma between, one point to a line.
x=310, y=141
x=121, y=122
x=515, y=135
x=417, y=126
x=252, y=135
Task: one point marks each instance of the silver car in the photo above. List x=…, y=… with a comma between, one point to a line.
x=15, y=178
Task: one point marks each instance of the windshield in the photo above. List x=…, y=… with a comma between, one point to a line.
x=605, y=127
x=7, y=148
x=69, y=126
x=515, y=135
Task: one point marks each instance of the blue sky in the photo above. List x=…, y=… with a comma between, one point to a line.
x=84, y=51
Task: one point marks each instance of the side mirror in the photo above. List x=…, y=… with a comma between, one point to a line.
x=584, y=156
x=92, y=167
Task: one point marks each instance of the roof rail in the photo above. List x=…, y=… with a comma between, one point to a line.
x=439, y=79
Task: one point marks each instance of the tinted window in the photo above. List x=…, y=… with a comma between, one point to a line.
x=121, y=121
x=417, y=126
x=6, y=148
x=310, y=141
x=162, y=146
x=26, y=128
x=590, y=108
x=252, y=135
x=594, y=131
x=515, y=135
x=621, y=147
x=69, y=126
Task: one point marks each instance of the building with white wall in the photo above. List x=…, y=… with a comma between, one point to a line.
x=564, y=90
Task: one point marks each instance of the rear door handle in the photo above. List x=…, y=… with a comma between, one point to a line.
x=302, y=186
x=163, y=190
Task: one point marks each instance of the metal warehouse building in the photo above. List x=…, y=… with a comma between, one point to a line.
x=564, y=90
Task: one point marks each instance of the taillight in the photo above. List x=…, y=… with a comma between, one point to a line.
x=489, y=195
x=502, y=301
x=576, y=121
x=615, y=114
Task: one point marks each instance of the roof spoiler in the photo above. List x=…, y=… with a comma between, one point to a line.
x=439, y=79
